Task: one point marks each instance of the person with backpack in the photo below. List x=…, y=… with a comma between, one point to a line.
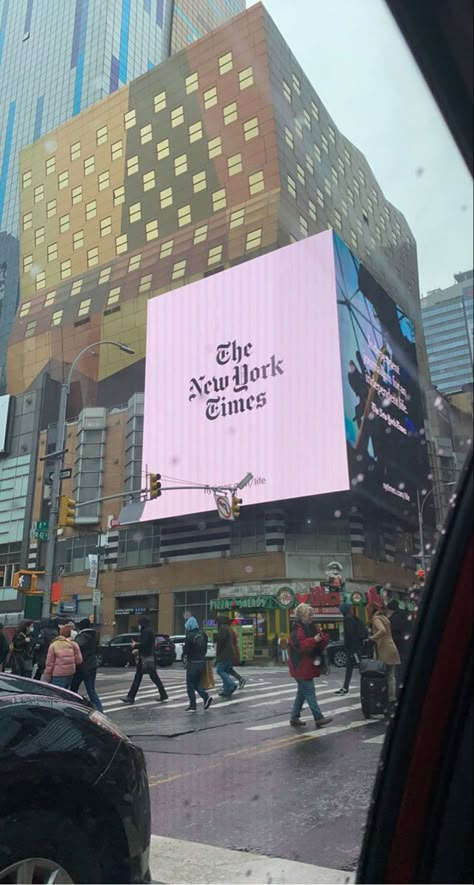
x=225, y=656
x=21, y=652
x=4, y=650
x=306, y=647
x=64, y=656
x=46, y=635
x=355, y=633
x=195, y=648
x=86, y=672
x=146, y=665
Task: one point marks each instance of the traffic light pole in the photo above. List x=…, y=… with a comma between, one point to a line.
x=50, y=562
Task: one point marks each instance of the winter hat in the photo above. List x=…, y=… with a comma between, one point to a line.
x=191, y=624
x=344, y=608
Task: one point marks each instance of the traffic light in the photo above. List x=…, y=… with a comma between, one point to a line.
x=154, y=485
x=235, y=507
x=420, y=574
x=66, y=512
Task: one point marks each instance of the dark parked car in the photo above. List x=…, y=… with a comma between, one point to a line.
x=337, y=654
x=118, y=652
x=74, y=801
x=10, y=684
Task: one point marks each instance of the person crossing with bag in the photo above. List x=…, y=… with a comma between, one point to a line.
x=195, y=648
x=306, y=648
x=86, y=639
x=146, y=663
x=355, y=633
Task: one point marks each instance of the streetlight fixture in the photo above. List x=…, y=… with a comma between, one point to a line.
x=421, y=507
x=58, y=456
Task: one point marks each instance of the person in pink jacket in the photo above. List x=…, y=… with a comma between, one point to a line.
x=63, y=657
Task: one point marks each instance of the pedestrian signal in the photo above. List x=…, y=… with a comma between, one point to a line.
x=154, y=485
x=235, y=506
x=66, y=512
x=420, y=574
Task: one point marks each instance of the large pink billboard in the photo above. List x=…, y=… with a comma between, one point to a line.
x=243, y=375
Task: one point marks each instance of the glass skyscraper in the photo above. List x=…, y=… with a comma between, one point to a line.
x=58, y=57
x=448, y=326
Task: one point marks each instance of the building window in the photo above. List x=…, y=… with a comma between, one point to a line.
x=214, y=255
x=317, y=152
x=256, y=182
x=195, y=131
x=344, y=207
x=113, y=296
x=50, y=208
x=104, y=275
x=38, y=193
x=332, y=134
x=214, y=147
x=134, y=263
x=350, y=196
x=230, y=113
x=179, y=269
x=121, y=244
x=28, y=220
x=145, y=283
x=338, y=218
x=76, y=288
x=251, y=128
x=219, y=200
x=309, y=164
x=291, y=184
x=362, y=177
x=225, y=63
x=191, y=83
x=65, y=269
x=40, y=280
x=93, y=256
x=210, y=98
x=104, y=180
x=300, y=174
x=307, y=119
x=89, y=165
x=84, y=307
x=253, y=239
x=129, y=119
x=91, y=210
x=101, y=135
x=320, y=197
x=200, y=235
x=184, y=215
x=312, y=210
x=287, y=91
x=56, y=318
x=27, y=263
x=246, y=78
x=166, y=249
x=76, y=194
x=64, y=223
x=325, y=143
x=234, y=164
x=180, y=164
x=50, y=165
x=166, y=197
x=50, y=298
x=149, y=181
x=26, y=179
x=159, y=102
x=30, y=328
x=52, y=252
x=75, y=151
x=119, y=195
x=134, y=212
x=163, y=149
x=334, y=174
x=356, y=187
x=146, y=134
x=303, y=226
x=289, y=138
x=177, y=116
x=25, y=309
x=151, y=230
x=78, y=240
x=199, y=182
x=237, y=218
x=314, y=110
x=327, y=187
x=106, y=226
x=370, y=205
x=353, y=239
x=299, y=128
x=117, y=150
x=39, y=236
x=347, y=156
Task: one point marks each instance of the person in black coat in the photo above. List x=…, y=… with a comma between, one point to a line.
x=354, y=634
x=401, y=630
x=86, y=672
x=48, y=632
x=146, y=663
x=4, y=648
x=22, y=652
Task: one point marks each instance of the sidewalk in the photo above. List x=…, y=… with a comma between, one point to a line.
x=176, y=862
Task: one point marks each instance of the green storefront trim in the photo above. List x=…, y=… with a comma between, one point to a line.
x=254, y=603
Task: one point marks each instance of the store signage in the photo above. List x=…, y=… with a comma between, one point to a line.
x=245, y=602
x=327, y=610
x=285, y=597
x=320, y=596
x=68, y=608
x=93, y=570
x=130, y=611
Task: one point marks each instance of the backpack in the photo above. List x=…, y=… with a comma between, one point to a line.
x=200, y=643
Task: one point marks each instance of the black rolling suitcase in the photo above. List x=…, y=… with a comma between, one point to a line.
x=373, y=688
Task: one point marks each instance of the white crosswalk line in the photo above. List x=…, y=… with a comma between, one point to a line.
x=150, y=689
x=378, y=739
x=352, y=694
x=152, y=693
x=269, y=726
x=335, y=729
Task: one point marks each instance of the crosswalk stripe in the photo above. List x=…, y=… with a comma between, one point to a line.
x=352, y=694
x=179, y=691
x=170, y=686
x=379, y=739
x=269, y=726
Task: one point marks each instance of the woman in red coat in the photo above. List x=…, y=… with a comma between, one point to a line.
x=305, y=646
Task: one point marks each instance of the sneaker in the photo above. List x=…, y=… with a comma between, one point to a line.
x=191, y=710
x=208, y=702
x=297, y=723
x=324, y=721
x=162, y=700
x=127, y=701
x=342, y=691
x=242, y=684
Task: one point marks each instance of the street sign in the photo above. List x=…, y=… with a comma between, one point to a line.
x=93, y=570
x=96, y=597
x=65, y=473
x=41, y=530
x=223, y=507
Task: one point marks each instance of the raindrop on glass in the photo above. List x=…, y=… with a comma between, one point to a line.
x=50, y=145
x=337, y=514
x=248, y=569
x=360, y=477
x=401, y=486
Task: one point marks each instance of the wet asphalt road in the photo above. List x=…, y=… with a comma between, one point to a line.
x=237, y=776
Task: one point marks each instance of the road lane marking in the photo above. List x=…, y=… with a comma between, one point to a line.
x=150, y=690
x=378, y=739
x=271, y=725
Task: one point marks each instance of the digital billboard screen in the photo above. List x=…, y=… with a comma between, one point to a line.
x=295, y=366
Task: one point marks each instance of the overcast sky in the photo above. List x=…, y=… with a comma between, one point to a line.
x=352, y=53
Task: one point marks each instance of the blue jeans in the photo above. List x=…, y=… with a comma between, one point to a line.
x=223, y=668
x=89, y=684
x=306, y=692
x=61, y=681
x=193, y=676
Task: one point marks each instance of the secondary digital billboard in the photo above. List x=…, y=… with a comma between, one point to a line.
x=296, y=367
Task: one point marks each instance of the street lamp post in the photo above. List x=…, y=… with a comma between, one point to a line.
x=56, y=478
x=421, y=507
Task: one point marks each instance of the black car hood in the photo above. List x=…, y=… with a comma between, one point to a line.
x=18, y=685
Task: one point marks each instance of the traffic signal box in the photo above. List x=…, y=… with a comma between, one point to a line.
x=235, y=506
x=66, y=512
x=154, y=485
